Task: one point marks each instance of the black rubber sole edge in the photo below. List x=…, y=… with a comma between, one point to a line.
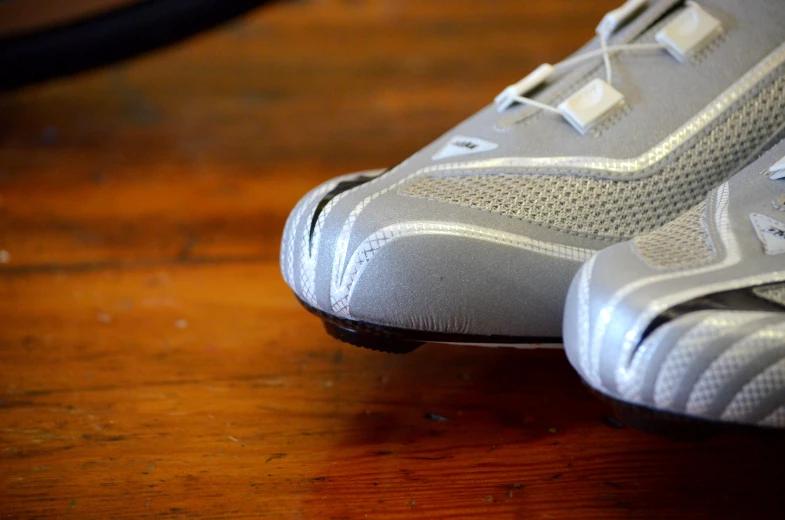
x=397, y=340
x=675, y=425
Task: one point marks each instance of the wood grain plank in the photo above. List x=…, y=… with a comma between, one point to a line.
x=204, y=390
x=154, y=364
x=298, y=101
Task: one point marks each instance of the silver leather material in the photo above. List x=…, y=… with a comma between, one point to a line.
x=722, y=363
x=471, y=282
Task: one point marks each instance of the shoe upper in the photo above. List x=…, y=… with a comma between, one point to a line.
x=691, y=318
x=481, y=231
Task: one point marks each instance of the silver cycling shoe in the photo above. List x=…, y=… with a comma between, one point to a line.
x=690, y=319
x=475, y=238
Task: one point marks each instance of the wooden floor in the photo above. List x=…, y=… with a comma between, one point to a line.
x=153, y=363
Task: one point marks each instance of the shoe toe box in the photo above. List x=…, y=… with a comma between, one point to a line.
x=297, y=243
x=716, y=364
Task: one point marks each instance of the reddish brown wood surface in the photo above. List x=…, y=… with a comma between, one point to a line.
x=154, y=364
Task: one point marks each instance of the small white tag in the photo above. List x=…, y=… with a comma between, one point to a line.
x=460, y=145
x=689, y=31
x=778, y=170
x=590, y=104
x=771, y=232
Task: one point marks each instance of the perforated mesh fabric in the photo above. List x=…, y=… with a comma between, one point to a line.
x=757, y=391
x=776, y=419
x=682, y=243
x=619, y=208
x=736, y=362
x=685, y=353
x=773, y=293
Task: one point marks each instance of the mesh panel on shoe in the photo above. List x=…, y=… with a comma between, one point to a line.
x=773, y=293
x=682, y=243
x=620, y=209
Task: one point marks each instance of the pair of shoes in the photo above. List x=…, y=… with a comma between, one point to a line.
x=476, y=237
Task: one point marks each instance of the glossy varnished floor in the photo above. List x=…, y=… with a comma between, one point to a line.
x=153, y=363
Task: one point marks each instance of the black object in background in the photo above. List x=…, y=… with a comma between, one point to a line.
x=109, y=37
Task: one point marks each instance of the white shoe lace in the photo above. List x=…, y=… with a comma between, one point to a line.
x=515, y=93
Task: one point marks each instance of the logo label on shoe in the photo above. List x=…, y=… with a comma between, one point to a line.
x=770, y=232
x=460, y=145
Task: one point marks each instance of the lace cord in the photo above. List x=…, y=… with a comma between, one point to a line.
x=608, y=25
x=606, y=58
x=605, y=52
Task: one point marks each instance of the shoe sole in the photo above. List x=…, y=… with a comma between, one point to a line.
x=674, y=425
x=397, y=340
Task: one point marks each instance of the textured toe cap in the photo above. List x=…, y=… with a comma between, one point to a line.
x=368, y=252
x=297, y=244
x=715, y=364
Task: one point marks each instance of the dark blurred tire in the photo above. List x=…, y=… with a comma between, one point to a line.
x=108, y=37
